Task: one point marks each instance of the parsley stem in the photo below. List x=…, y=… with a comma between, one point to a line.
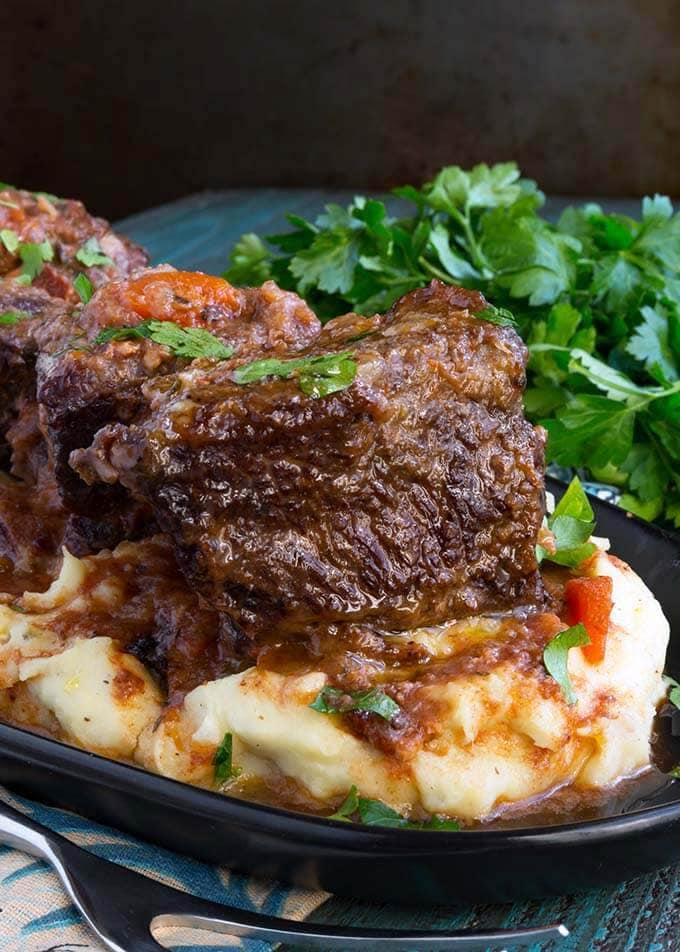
x=424, y=263
x=475, y=251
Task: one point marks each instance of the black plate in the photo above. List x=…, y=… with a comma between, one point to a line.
x=378, y=864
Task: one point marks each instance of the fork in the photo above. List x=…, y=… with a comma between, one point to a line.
x=124, y=909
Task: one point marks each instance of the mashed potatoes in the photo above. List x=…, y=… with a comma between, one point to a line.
x=498, y=737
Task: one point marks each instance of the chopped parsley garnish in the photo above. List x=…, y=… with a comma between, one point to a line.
x=124, y=332
x=596, y=297
x=222, y=761
x=556, y=653
x=33, y=257
x=192, y=342
x=316, y=376
x=10, y=239
x=11, y=317
x=91, y=254
x=333, y=701
x=675, y=772
x=83, y=288
x=497, y=315
x=571, y=524
x=376, y=813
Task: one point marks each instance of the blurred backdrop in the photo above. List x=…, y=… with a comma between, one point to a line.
x=128, y=104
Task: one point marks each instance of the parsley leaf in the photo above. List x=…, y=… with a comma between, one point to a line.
x=316, y=376
x=329, y=262
x=83, y=287
x=497, y=315
x=674, y=772
x=572, y=524
x=453, y=190
x=348, y=807
x=651, y=345
x=222, y=761
x=33, y=257
x=91, y=254
x=10, y=239
x=376, y=813
x=333, y=701
x=9, y=318
x=590, y=431
x=191, y=342
x=556, y=653
x=141, y=331
x=249, y=261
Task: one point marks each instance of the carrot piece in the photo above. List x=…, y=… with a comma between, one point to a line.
x=589, y=601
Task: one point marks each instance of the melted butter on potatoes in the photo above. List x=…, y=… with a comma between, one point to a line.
x=500, y=737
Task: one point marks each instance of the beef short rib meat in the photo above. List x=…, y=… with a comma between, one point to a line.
x=45, y=244
x=94, y=382
x=412, y=496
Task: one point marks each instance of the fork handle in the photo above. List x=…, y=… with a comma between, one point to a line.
x=318, y=936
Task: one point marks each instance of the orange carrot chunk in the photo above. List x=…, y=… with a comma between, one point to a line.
x=589, y=601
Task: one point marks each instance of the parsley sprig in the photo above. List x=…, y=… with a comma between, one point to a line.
x=191, y=342
x=331, y=700
x=571, y=524
x=596, y=296
x=376, y=813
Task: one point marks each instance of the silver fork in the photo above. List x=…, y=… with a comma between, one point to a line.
x=124, y=908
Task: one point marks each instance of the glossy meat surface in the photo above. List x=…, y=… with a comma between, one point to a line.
x=412, y=496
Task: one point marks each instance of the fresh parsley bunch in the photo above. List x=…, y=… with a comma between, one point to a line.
x=595, y=296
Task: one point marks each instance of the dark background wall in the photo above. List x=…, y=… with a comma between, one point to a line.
x=130, y=104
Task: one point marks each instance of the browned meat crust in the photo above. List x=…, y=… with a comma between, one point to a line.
x=413, y=496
